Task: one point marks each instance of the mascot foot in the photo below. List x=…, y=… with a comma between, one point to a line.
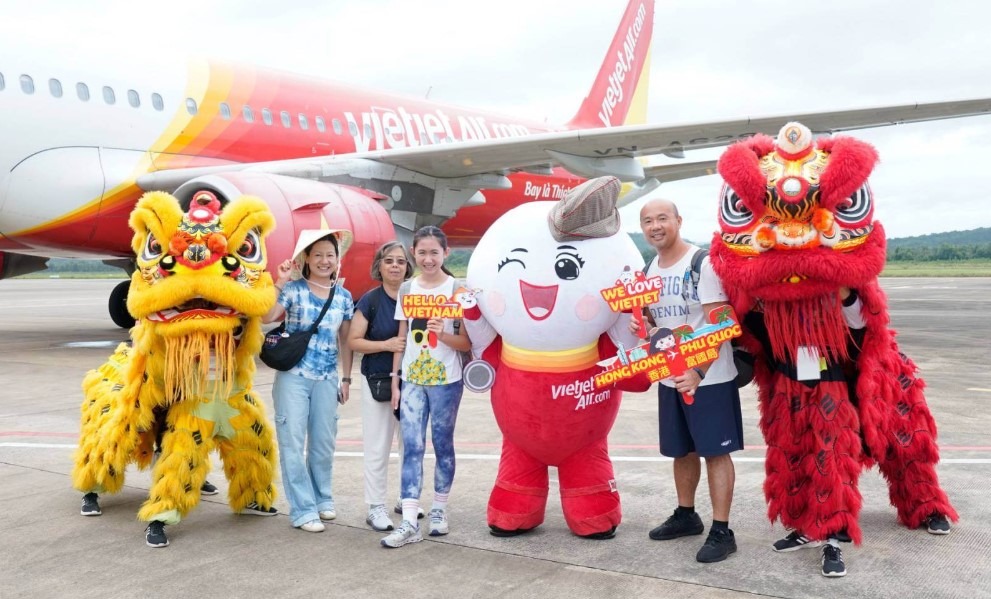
x=155, y=534
x=91, y=505
x=495, y=531
x=937, y=524
x=601, y=536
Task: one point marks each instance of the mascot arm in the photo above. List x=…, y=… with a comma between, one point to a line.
x=481, y=333
x=608, y=347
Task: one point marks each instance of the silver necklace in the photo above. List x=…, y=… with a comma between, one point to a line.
x=312, y=282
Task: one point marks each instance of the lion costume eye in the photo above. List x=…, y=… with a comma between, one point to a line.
x=856, y=210
x=733, y=213
x=250, y=248
x=152, y=249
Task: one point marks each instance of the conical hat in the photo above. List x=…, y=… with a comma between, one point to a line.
x=308, y=237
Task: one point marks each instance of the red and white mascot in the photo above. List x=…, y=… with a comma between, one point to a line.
x=799, y=255
x=542, y=323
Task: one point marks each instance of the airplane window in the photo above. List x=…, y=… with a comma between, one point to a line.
x=321, y=127
x=27, y=84
x=133, y=98
x=191, y=106
x=337, y=126
x=2, y=84
x=157, y=102
x=82, y=90
x=225, y=111
x=352, y=128
x=108, y=95
x=368, y=131
x=248, y=114
x=55, y=86
x=266, y=116
x=286, y=119
x=304, y=124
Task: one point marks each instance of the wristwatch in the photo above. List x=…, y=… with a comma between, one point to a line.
x=346, y=379
x=700, y=372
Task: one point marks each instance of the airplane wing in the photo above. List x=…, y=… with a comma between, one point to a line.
x=458, y=171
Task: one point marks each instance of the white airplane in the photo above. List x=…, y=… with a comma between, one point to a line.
x=78, y=150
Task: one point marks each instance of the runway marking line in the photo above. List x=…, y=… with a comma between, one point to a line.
x=484, y=456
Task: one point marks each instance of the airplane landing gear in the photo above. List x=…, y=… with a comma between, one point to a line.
x=118, y=306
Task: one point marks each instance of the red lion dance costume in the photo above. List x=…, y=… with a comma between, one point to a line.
x=796, y=220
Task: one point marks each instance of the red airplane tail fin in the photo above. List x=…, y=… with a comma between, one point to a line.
x=619, y=94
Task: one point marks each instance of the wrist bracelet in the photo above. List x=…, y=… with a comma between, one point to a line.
x=699, y=372
x=346, y=379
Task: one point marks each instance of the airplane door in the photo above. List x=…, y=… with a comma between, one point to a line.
x=53, y=198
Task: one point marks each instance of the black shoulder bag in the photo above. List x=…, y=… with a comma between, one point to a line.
x=379, y=383
x=282, y=351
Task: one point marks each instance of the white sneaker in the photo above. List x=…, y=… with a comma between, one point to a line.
x=438, y=522
x=328, y=515
x=378, y=518
x=405, y=534
x=313, y=526
x=399, y=510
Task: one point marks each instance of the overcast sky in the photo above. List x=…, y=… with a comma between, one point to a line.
x=711, y=60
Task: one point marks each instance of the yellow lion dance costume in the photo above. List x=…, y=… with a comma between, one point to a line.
x=198, y=294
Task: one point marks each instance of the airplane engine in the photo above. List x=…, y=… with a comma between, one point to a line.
x=296, y=204
x=305, y=204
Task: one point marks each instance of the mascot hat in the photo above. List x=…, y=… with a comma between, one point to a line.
x=587, y=211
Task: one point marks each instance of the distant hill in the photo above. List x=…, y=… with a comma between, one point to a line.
x=953, y=245
x=971, y=237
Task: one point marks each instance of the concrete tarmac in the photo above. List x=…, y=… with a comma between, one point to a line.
x=53, y=331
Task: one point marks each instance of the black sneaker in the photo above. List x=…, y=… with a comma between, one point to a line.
x=155, y=534
x=678, y=526
x=843, y=536
x=91, y=505
x=795, y=540
x=832, y=562
x=256, y=510
x=717, y=547
x=208, y=488
x=936, y=523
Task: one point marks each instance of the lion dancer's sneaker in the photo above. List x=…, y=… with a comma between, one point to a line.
x=832, y=560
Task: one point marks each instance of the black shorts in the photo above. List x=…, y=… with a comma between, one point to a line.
x=711, y=426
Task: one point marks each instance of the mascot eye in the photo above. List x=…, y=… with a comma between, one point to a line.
x=568, y=266
x=856, y=210
x=250, y=248
x=508, y=261
x=733, y=213
x=152, y=249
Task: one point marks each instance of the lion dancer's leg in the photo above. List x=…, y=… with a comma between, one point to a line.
x=519, y=497
x=901, y=436
x=249, y=457
x=813, y=457
x=109, y=437
x=179, y=472
x=588, y=492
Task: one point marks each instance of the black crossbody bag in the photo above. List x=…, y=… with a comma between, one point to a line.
x=379, y=383
x=282, y=351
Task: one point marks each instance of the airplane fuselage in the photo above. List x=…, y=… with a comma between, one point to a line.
x=75, y=145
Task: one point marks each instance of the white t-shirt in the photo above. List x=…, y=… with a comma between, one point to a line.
x=423, y=364
x=673, y=309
